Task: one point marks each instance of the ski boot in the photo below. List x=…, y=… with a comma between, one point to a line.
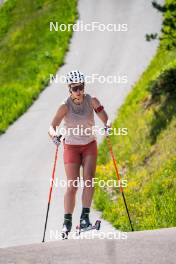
x=67, y=225
x=84, y=220
x=85, y=223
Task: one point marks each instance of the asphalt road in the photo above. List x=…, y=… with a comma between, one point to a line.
x=26, y=153
x=145, y=247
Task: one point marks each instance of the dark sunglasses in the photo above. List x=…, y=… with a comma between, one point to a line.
x=78, y=87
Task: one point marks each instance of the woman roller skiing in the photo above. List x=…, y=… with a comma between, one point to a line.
x=79, y=150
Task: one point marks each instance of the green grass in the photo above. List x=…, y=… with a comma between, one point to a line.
x=147, y=153
x=29, y=51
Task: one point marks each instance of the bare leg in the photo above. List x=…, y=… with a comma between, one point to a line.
x=73, y=172
x=89, y=168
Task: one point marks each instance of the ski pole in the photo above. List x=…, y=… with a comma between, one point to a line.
x=118, y=177
x=50, y=191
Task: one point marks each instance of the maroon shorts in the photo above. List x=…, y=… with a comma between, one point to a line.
x=76, y=153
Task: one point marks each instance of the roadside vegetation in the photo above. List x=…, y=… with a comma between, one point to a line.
x=29, y=51
x=146, y=157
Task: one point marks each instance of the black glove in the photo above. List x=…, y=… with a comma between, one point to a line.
x=56, y=140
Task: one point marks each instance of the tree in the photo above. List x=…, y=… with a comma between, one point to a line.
x=167, y=36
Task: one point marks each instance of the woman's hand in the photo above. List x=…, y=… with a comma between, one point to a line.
x=108, y=126
x=53, y=135
x=56, y=140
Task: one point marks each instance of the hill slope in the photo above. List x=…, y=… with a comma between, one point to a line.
x=147, y=155
x=29, y=51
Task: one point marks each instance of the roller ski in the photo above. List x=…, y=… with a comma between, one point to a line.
x=85, y=224
x=83, y=228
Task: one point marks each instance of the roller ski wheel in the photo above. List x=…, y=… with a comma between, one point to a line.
x=80, y=229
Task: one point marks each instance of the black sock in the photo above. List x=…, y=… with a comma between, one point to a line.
x=85, y=212
x=67, y=218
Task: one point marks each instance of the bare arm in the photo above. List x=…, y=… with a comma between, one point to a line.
x=102, y=115
x=61, y=112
